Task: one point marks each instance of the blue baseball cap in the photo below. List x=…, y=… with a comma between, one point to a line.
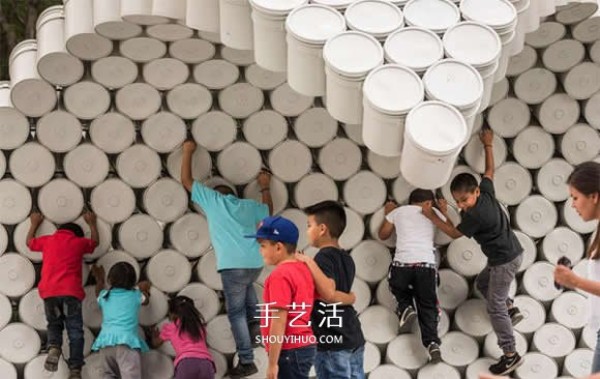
x=277, y=228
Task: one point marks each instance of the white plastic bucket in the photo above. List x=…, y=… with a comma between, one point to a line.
x=203, y=15
x=174, y=9
x=20, y=343
x=386, y=167
x=389, y=93
x=164, y=132
x=14, y=127
x=513, y=183
x=563, y=55
x=29, y=94
x=534, y=315
x=552, y=179
x=529, y=250
x=508, y=41
x=340, y=159
x=385, y=297
x=86, y=100
x=547, y=34
x=308, y=27
x=558, y=113
x=155, y=311
x=439, y=370
x=32, y=312
x=580, y=143
x=216, y=74
x=20, y=238
x=86, y=165
x=205, y=299
x=138, y=166
x=423, y=152
x=54, y=64
x=536, y=216
x=589, y=337
x=435, y=15
x=554, y=340
x=189, y=100
x=166, y=200
x=32, y=164
x=407, y=352
x=239, y=163
x=365, y=192
x=214, y=130
x=288, y=102
x=576, y=12
x=453, y=289
x=537, y=366
x=571, y=309
x=533, y=147
x=354, y=231
x=7, y=369
x=354, y=132
x=108, y=22
x=113, y=201
x=219, y=335
x=441, y=238
x=236, y=56
x=363, y=295
x=201, y=164
x=61, y=201
x=104, y=235
x=379, y=324
x=491, y=348
x=165, y=73
x=389, y=371
x=18, y=275
x=339, y=5
x=142, y=49
x=138, y=101
x=471, y=318
x=578, y=364
x=112, y=132
x=241, y=100
x=235, y=24
x=538, y=282
x=290, y=161
x=141, y=236
x=414, y=47
x=169, y=271
x=535, y=85
x=192, y=50
x=140, y=12
x=561, y=242
x=264, y=79
x=189, y=235
x=375, y=222
x=522, y=62
x=314, y=188
x=465, y=257
x=315, y=127
x=586, y=31
x=459, y=350
x=59, y=131
x=80, y=36
x=3, y=246
x=375, y=17
x=473, y=43
x=590, y=111
x=524, y=8
x=478, y=367
x=372, y=261
x=170, y=32
x=206, y=269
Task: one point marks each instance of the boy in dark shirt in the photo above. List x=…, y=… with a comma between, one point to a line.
x=485, y=220
x=340, y=341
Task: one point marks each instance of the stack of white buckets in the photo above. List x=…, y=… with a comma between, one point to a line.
x=98, y=106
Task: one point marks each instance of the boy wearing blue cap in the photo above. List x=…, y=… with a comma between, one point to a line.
x=287, y=298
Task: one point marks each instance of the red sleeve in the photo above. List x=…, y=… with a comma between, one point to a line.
x=166, y=333
x=280, y=291
x=87, y=245
x=37, y=244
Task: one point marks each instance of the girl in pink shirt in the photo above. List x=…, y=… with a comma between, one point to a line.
x=187, y=334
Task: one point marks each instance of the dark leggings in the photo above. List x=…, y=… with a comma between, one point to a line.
x=195, y=368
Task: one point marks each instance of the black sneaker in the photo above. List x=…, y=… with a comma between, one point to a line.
x=407, y=316
x=52, y=359
x=506, y=364
x=75, y=373
x=435, y=354
x=242, y=370
x=515, y=315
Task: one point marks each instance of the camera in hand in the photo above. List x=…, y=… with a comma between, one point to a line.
x=563, y=261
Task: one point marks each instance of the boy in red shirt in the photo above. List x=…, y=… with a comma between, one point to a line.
x=61, y=286
x=288, y=297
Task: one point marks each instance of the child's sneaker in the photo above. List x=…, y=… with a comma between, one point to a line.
x=52, y=359
x=515, y=315
x=506, y=364
x=435, y=354
x=243, y=370
x=75, y=373
x=407, y=316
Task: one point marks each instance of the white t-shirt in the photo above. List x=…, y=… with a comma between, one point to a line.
x=415, y=234
x=594, y=301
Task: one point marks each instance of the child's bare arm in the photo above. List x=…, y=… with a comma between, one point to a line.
x=144, y=286
x=35, y=220
x=156, y=340
x=264, y=181
x=343, y=298
x=487, y=139
x=277, y=328
x=445, y=226
x=90, y=219
x=387, y=228
x=186, y=165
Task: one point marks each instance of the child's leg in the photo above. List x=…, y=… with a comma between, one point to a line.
x=399, y=280
x=482, y=281
x=110, y=368
x=129, y=362
x=296, y=363
x=53, y=307
x=427, y=304
x=74, y=326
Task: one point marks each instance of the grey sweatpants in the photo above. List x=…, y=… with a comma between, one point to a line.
x=494, y=284
x=121, y=362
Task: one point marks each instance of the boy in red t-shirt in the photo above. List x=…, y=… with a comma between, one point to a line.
x=61, y=286
x=288, y=298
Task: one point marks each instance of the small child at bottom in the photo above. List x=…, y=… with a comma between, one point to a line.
x=186, y=332
x=119, y=342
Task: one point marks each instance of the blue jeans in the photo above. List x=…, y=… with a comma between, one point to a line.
x=296, y=363
x=240, y=301
x=340, y=364
x=596, y=361
x=65, y=312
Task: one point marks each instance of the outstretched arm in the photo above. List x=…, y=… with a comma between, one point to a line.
x=445, y=226
x=487, y=139
x=387, y=228
x=566, y=277
x=186, y=165
x=264, y=181
x=35, y=220
x=90, y=219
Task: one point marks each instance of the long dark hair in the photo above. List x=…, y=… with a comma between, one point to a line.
x=190, y=319
x=586, y=179
x=121, y=275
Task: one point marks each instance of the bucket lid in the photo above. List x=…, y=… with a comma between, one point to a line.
x=554, y=340
x=314, y=23
x=363, y=295
x=365, y=192
x=86, y=100
x=459, y=349
x=165, y=73
x=579, y=144
x=60, y=201
x=536, y=216
x=279, y=194
x=533, y=147
x=290, y=161
x=474, y=153
x=143, y=49
x=201, y=164
x=579, y=363
x=276, y=7
x=315, y=127
x=522, y=62
x=552, y=179
x=113, y=201
x=571, y=309
x=340, y=5
x=112, y=132
x=563, y=55
x=32, y=164
x=219, y=335
x=164, y=132
x=547, y=34
x=352, y=54
x=20, y=343
x=340, y=159
x=453, y=289
x=435, y=15
x=114, y=72
x=454, y=82
x=241, y=100
x=166, y=200
x=472, y=318
x=372, y=261
x=500, y=15
x=535, y=85
x=414, y=47
x=465, y=257
x=216, y=74
x=314, y=188
x=59, y=131
x=375, y=222
x=192, y=50
x=386, y=167
x=141, y=236
x=138, y=166
x=587, y=31
x=263, y=78
x=574, y=221
x=155, y=311
x=19, y=237
x=558, y=113
x=375, y=17
x=17, y=276
x=51, y=13
x=491, y=348
x=169, y=271
x=138, y=101
x=563, y=241
x=380, y=325
x=436, y=127
x=205, y=299
x=473, y=43
x=438, y=370
x=393, y=89
x=239, y=163
x=299, y=219
x=31, y=310
x=406, y=351
x=538, y=282
x=169, y=32
x=206, y=269
x=354, y=231
x=214, y=130
x=189, y=100
x=534, y=314
x=14, y=128
x=189, y=235
x=582, y=81
x=513, y=183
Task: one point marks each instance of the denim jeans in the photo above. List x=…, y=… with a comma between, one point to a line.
x=340, y=364
x=596, y=361
x=296, y=363
x=65, y=312
x=240, y=301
